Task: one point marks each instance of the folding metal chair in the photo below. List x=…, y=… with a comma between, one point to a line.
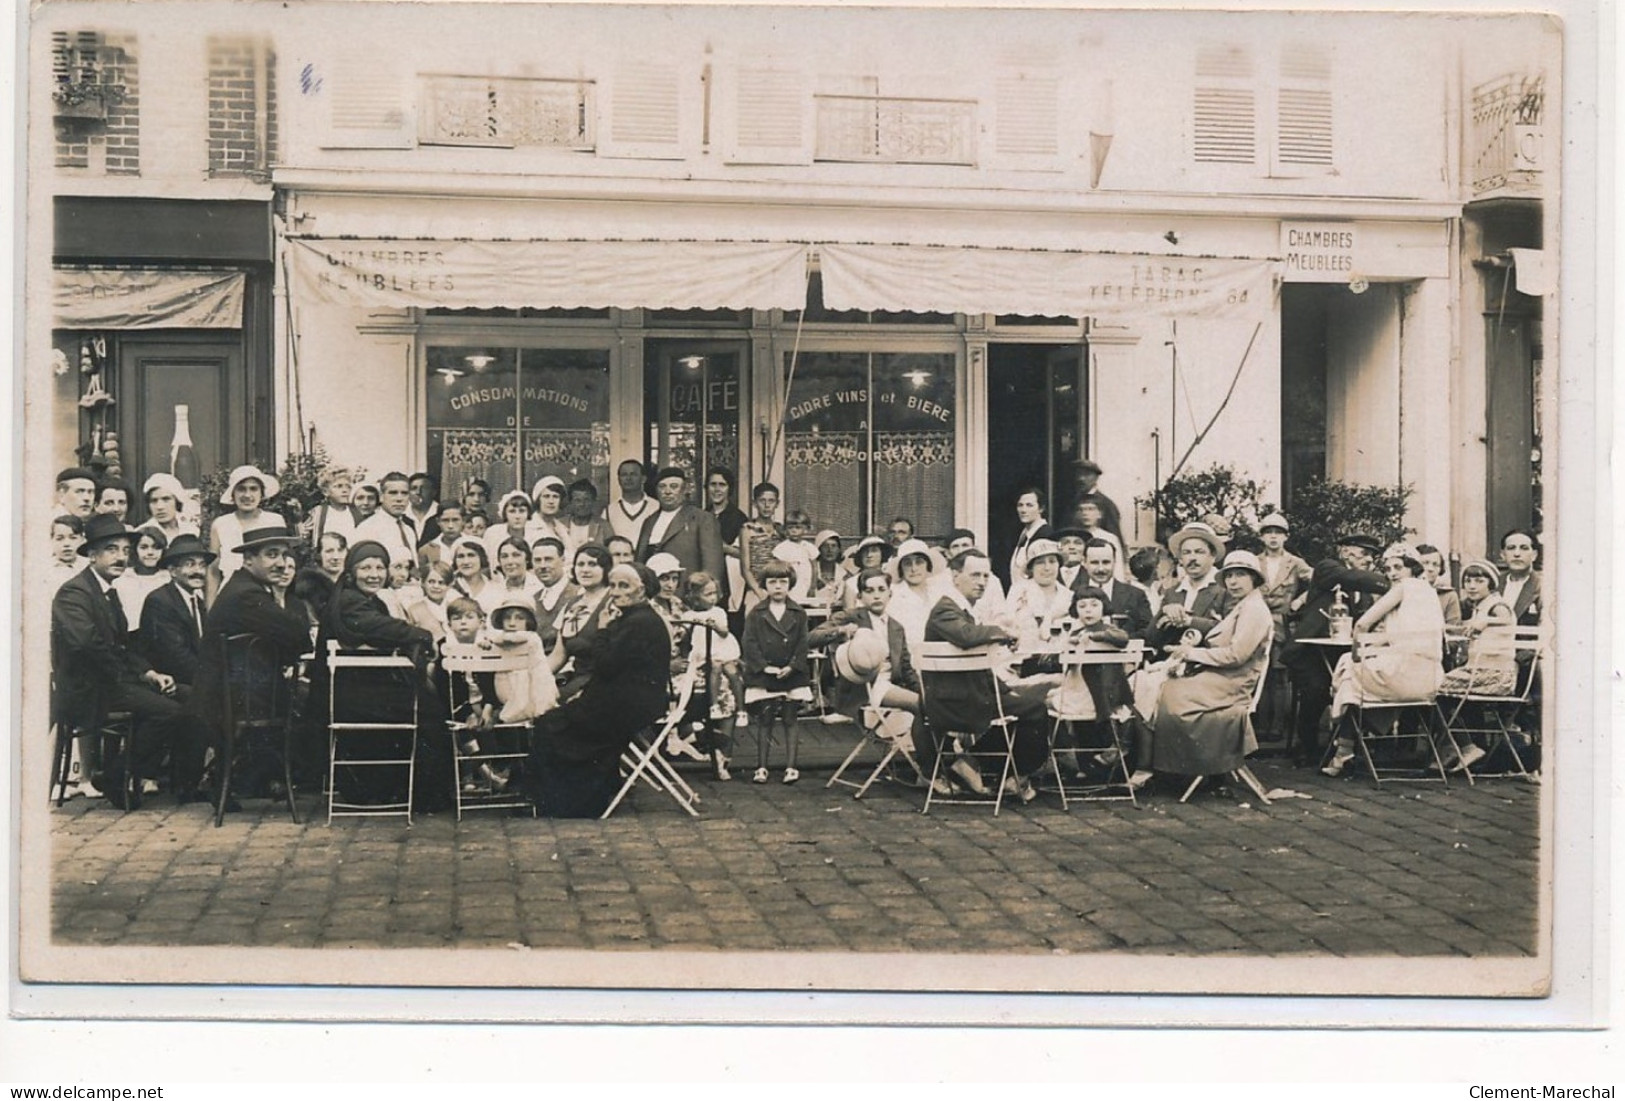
x=258, y=699
x=1380, y=723
x=935, y=660
x=375, y=737
x=1244, y=774
x=1498, y=712
x=115, y=736
x=642, y=760
x=504, y=745
x=1083, y=791
x=889, y=728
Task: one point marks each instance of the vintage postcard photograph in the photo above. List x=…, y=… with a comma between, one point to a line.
x=792, y=498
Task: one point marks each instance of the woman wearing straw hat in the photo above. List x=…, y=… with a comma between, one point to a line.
x=869, y=553
x=1203, y=724
x=1040, y=601
x=247, y=489
x=919, y=584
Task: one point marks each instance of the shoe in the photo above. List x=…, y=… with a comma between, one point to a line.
x=1338, y=763
x=759, y=776
x=85, y=788
x=1106, y=759
x=942, y=787
x=719, y=766
x=149, y=787
x=1024, y=790
x=968, y=776
x=1469, y=757
x=741, y=719
x=835, y=718
x=1140, y=778
x=791, y=775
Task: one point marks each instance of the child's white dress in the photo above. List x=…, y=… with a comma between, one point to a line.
x=528, y=689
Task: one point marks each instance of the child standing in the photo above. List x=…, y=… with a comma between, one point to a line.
x=714, y=653
x=473, y=695
x=777, y=672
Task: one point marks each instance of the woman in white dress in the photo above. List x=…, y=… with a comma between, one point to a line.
x=1042, y=602
x=246, y=489
x=1409, y=668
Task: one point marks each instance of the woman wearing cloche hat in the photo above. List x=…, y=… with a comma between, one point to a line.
x=1203, y=723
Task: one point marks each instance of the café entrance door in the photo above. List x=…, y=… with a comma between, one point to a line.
x=693, y=406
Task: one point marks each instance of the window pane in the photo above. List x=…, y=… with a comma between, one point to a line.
x=703, y=391
x=913, y=446
x=564, y=406
x=825, y=436
x=472, y=418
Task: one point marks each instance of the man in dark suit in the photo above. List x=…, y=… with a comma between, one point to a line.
x=97, y=672
x=680, y=529
x=1126, y=606
x=1349, y=573
x=172, y=617
x=966, y=701
x=1199, y=601
x=248, y=604
x=557, y=593
x=1520, y=584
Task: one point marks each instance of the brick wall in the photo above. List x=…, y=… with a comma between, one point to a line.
x=114, y=143
x=234, y=144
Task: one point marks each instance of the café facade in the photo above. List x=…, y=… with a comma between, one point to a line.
x=891, y=282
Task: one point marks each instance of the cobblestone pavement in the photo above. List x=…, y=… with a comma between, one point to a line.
x=1410, y=870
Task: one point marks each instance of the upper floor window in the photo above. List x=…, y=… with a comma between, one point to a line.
x=1271, y=116
x=506, y=112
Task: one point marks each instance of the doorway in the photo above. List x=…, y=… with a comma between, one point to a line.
x=693, y=403
x=1037, y=413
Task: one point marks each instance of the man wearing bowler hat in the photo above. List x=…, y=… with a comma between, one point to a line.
x=1350, y=572
x=172, y=617
x=247, y=605
x=97, y=672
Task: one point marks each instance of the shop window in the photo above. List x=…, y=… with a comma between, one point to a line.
x=511, y=415
x=870, y=436
x=1276, y=118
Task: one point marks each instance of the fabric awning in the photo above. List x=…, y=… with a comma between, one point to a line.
x=119, y=298
x=512, y=274
x=924, y=278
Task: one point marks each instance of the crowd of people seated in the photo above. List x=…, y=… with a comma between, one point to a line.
x=605, y=610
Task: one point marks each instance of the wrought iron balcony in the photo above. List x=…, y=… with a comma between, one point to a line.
x=1508, y=138
x=892, y=130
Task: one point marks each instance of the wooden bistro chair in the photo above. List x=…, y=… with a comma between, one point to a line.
x=1380, y=723
x=1492, y=716
x=936, y=660
x=375, y=744
x=1116, y=784
x=1244, y=774
x=503, y=746
x=115, y=736
x=258, y=701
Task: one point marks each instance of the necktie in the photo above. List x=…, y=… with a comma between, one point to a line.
x=197, y=613
x=120, y=624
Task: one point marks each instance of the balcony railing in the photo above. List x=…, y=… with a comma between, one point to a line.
x=506, y=112
x=891, y=130
x=1507, y=135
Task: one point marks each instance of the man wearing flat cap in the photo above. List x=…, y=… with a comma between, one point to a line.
x=1350, y=572
x=1088, y=472
x=681, y=529
x=97, y=672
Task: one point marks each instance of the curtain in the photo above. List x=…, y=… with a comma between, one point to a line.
x=822, y=476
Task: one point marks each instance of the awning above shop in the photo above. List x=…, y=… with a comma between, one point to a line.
x=926, y=278
x=122, y=298
x=392, y=274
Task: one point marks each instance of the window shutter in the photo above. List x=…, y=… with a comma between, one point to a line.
x=367, y=106
x=1027, y=117
x=1225, y=119
x=1303, y=136
x=643, y=112
x=768, y=110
